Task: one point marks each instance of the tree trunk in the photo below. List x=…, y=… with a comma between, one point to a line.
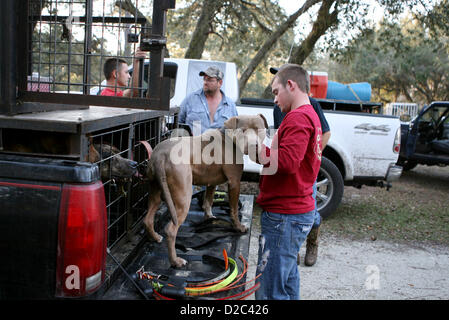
x=203, y=28
x=406, y=93
x=269, y=43
x=323, y=22
x=36, y=8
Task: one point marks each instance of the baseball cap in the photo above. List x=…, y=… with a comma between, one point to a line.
x=212, y=72
x=274, y=70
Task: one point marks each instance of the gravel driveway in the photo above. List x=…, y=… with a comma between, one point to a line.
x=370, y=270
x=363, y=270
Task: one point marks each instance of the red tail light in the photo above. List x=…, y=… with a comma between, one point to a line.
x=397, y=141
x=82, y=240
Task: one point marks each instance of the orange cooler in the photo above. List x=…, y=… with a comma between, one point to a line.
x=318, y=84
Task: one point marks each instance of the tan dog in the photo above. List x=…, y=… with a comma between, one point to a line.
x=207, y=160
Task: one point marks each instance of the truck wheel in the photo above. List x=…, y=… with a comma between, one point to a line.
x=409, y=165
x=330, y=188
x=406, y=164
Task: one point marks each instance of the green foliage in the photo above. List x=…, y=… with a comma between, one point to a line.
x=406, y=58
x=236, y=34
x=236, y=25
x=402, y=60
x=437, y=19
x=413, y=210
x=62, y=60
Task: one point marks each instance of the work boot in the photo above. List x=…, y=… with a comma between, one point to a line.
x=312, y=247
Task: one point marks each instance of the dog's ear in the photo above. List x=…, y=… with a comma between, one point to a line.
x=93, y=155
x=264, y=120
x=114, y=150
x=231, y=123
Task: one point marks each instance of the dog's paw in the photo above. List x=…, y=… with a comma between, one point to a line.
x=158, y=238
x=241, y=228
x=179, y=262
x=209, y=216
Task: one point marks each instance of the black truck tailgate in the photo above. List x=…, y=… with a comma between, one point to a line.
x=30, y=190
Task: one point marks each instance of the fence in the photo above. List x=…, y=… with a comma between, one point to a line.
x=399, y=109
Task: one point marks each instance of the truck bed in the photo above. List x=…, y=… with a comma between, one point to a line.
x=197, y=240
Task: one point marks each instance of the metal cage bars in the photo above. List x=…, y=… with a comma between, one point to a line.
x=67, y=52
x=127, y=202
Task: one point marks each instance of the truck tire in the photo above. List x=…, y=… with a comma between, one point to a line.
x=407, y=165
x=330, y=187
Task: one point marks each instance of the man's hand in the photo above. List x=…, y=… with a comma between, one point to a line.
x=139, y=54
x=134, y=91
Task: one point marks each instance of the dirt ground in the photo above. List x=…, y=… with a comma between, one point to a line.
x=371, y=270
x=358, y=268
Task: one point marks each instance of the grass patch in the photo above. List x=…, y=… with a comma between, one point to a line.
x=401, y=221
x=415, y=209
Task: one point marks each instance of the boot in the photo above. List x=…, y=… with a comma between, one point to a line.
x=312, y=247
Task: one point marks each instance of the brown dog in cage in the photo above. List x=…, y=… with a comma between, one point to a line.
x=213, y=158
x=113, y=165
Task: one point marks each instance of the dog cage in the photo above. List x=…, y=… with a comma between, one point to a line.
x=127, y=198
x=53, y=52
x=57, y=50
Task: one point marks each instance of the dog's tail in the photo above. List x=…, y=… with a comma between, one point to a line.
x=162, y=179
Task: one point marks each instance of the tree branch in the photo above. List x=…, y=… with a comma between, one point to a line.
x=323, y=22
x=128, y=6
x=269, y=43
x=199, y=37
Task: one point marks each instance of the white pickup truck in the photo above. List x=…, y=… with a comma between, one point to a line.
x=363, y=148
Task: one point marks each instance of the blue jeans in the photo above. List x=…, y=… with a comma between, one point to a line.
x=317, y=220
x=279, y=242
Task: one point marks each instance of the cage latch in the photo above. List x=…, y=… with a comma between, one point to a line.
x=152, y=44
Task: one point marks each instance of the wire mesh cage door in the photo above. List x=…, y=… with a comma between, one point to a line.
x=64, y=46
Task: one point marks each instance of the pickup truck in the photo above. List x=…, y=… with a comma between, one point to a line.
x=363, y=149
x=61, y=253
x=57, y=218
x=425, y=139
x=68, y=223
x=36, y=253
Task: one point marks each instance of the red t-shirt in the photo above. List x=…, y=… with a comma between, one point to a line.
x=110, y=92
x=297, y=148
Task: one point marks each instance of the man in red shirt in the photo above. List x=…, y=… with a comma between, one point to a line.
x=117, y=76
x=291, y=167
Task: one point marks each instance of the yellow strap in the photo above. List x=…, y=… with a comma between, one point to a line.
x=196, y=291
x=356, y=96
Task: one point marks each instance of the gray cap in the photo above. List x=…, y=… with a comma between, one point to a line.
x=213, y=72
x=274, y=70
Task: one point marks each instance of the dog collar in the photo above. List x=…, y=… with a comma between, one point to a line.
x=147, y=147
